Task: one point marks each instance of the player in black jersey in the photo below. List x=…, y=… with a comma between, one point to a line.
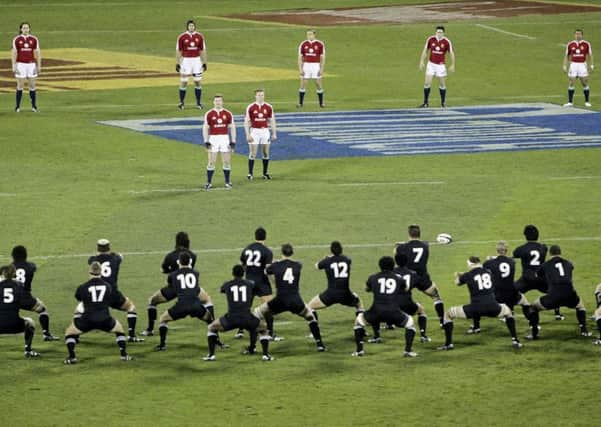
x=482, y=302
x=14, y=297
x=286, y=273
x=239, y=294
x=532, y=255
x=96, y=296
x=25, y=271
x=417, y=253
x=557, y=274
x=110, y=263
x=597, y=314
x=386, y=287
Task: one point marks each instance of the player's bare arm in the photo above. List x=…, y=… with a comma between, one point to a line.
x=232, y=128
x=591, y=61
x=322, y=64
x=249, y=138
x=38, y=59
x=203, y=58
x=178, y=59
x=274, y=134
x=422, y=59
x=13, y=58
x=300, y=65
x=452, y=65
x=205, y=132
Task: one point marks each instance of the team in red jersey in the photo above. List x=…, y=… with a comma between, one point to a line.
x=258, y=121
x=577, y=52
x=190, y=61
x=219, y=133
x=311, y=64
x=26, y=59
x=439, y=47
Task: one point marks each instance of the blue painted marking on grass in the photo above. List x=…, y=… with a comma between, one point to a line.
x=405, y=132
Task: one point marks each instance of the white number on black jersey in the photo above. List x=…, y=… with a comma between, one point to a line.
x=505, y=269
x=387, y=286
x=559, y=267
x=187, y=280
x=253, y=258
x=8, y=296
x=105, y=269
x=419, y=252
x=97, y=293
x=535, y=260
x=288, y=276
x=407, y=279
x=238, y=293
x=340, y=270
x=484, y=281
x=20, y=275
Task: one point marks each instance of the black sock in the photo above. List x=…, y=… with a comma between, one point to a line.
x=422, y=322
x=376, y=329
x=121, y=342
x=132, y=318
x=587, y=94
x=526, y=311
x=510, y=322
x=269, y=321
x=212, y=344
x=443, y=95
x=476, y=322
x=71, y=341
x=210, y=173
x=314, y=327
x=182, y=95
x=19, y=97
x=409, y=335
x=198, y=93
x=359, y=336
x=226, y=174
x=599, y=327
x=320, y=97
x=581, y=316
x=265, y=345
x=32, y=96
x=534, y=319
x=163, y=333
x=29, y=332
x=152, y=317
x=45, y=322
x=315, y=315
x=265, y=166
x=426, y=94
x=251, y=166
x=448, y=333
x=301, y=97
x=253, y=340
x=439, y=307
x=571, y=94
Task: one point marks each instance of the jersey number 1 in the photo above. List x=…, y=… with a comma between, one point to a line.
x=238, y=293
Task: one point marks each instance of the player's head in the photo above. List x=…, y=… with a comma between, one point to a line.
x=473, y=261
x=19, y=253
x=531, y=233
x=555, y=250
x=182, y=241
x=218, y=101
x=24, y=28
x=578, y=34
x=386, y=263
x=238, y=271
x=502, y=247
x=336, y=248
x=184, y=259
x=400, y=259
x=103, y=245
x=259, y=95
x=287, y=250
x=260, y=234
x=311, y=34
x=8, y=271
x=414, y=231
x=95, y=269
x=440, y=31
x=191, y=26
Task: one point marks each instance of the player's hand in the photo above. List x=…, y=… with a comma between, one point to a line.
x=592, y=67
x=204, y=67
x=274, y=137
x=208, y=145
x=421, y=65
x=38, y=70
x=565, y=69
x=301, y=72
x=452, y=68
x=177, y=68
x=250, y=139
x=232, y=146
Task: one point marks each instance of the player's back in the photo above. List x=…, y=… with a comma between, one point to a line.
x=417, y=253
x=255, y=258
x=24, y=273
x=185, y=283
x=480, y=285
x=532, y=256
x=287, y=277
x=410, y=277
x=13, y=297
x=386, y=287
x=338, y=271
x=110, y=264
x=95, y=295
x=239, y=296
x=558, y=275
x=502, y=269
x=170, y=264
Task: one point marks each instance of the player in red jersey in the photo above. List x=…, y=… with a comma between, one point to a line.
x=26, y=59
x=311, y=64
x=439, y=46
x=258, y=120
x=576, y=52
x=190, y=61
x=219, y=133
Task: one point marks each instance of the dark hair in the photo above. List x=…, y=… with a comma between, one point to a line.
x=8, y=271
x=336, y=247
x=182, y=240
x=555, y=250
x=578, y=30
x=531, y=232
x=440, y=27
x=21, y=26
x=474, y=259
x=19, y=253
x=386, y=263
x=259, y=90
x=260, y=234
x=190, y=21
x=95, y=269
x=287, y=249
x=401, y=259
x=103, y=248
x=184, y=259
x=414, y=231
x=218, y=95
x=238, y=271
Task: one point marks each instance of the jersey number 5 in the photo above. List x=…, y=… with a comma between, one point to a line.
x=8, y=296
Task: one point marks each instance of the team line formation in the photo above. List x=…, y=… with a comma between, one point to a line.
x=493, y=293
x=219, y=129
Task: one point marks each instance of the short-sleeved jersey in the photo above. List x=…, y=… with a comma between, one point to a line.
x=557, y=273
x=532, y=255
x=218, y=121
x=503, y=273
x=417, y=253
x=191, y=44
x=26, y=47
x=25, y=272
x=169, y=264
x=287, y=277
x=239, y=293
x=438, y=49
x=95, y=295
x=480, y=285
x=577, y=51
x=185, y=283
x=110, y=264
x=387, y=286
x=14, y=297
x=255, y=257
x=259, y=115
x=338, y=271
x=311, y=51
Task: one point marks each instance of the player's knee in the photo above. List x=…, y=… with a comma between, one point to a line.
x=118, y=328
x=165, y=317
x=360, y=320
x=409, y=324
x=538, y=306
x=420, y=309
x=29, y=323
x=598, y=313
x=183, y=82
x=598, y=289
x=72, y=330
x=505, y=311
x=580, y=305
x=211, y=166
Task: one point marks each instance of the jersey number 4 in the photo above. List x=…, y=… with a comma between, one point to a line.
x=288, y=276
x=97, y=293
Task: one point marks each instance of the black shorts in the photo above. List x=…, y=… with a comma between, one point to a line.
x=407, y=305
x=336, y=296
x=511, y=298
x=183, y=308
x=293, y=304
x=491, y=309
x=168, y=293
x=239, y=321
x=262, y=288
x=424, y=282
x=525, y=284
x=88, y=323
x=12, y=326
x=390, y=315
x=554, y=300
x=117, y=299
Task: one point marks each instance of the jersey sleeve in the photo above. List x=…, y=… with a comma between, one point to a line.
x=269, y=257
x=165, y=264
x=450, y=46
x=269, y=269
x=463, y=279
x=223, y=288
x=78, y=295
x=91, y=260
x=322, y=264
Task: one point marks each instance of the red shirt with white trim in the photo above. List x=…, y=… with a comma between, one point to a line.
x=438, y=49
x=218, y=121
x=25, y=47
x=191, y=44
x=311, y=51
x=577, y=50
x=259, y=115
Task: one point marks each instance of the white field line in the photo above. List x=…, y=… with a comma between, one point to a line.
x=368, y=184
x=318, y=246
x=509, y=33
x=174, y=190
x=568, y=178
x=8, y=194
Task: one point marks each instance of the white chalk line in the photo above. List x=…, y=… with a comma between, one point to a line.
x=509, y=33
x=369, y=184
x=568, y=178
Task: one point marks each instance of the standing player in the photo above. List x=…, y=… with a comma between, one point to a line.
x=311, y=65
x=482, y=303
x=576, y=53
x=24, y=273
x=239, y=301
x=557, y=273
x=26, y=59
x=96, y=296
x=258, y=120
x=190, y=61
x=287, y=279
x=219, y=133
x=418, y=252
x=386, y=287
x=438, y=46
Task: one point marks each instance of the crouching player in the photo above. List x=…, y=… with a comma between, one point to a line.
x=239, y=294
x=95, y=295
x=482, y=303
x=386, y=287
x=598, y=313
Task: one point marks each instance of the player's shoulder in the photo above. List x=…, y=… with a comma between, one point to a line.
x=268, y=105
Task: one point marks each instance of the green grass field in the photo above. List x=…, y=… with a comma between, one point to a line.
x=65, y=181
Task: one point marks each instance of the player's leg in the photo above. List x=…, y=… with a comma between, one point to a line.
x=197, y=77
x=132, y=318
x=307, y=314
x=212, y=158
x=541, y=304
x=316, y=304
x=301, y=91
x=212, y=330
x=598, y=320
x=586, y=90
x=71, y=334
x=19, y=92
x=33, y=94
x=433, y=293
x=265, y=148
x=119, y=332
x=581, y=317
x=226, y=159
x=406, y=321
x=157, y=298
x=269, y=319
x=475, y=327
x=442, y=89
x=505, y=312
x=29, y=331
x=422, y=323
x=209, y=316
x=359, y=332
x=44, y=319
x=571, y=81
x=183, y=84
x=427, y=86
x=319, y=85
x=165, y=318
x=252, y=155
x=457, y=312
x=523, y=301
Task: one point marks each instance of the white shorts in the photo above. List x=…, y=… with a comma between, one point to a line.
x=191, y=67
x=219, y=143
x=438, y=70
x=260, y=136
x=26, y=70
x=311, y=70
x=578, y=69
